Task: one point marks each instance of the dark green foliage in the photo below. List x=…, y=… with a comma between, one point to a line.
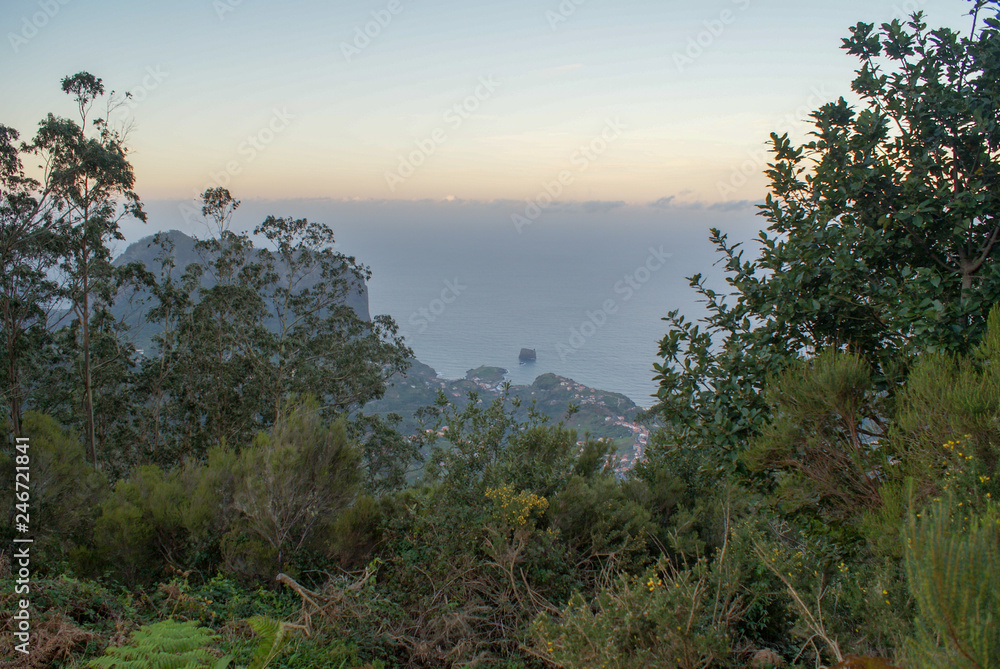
x=848, y=383
x=65, y=490
x=357, y=532
x=246, y=329
x=92, y=185
x=662, y=617
x=881, y=237
x=948, y=419
x=140, y=526
x=29, y=250
x=596, y=521
x=386, y=455
x=211, y=486
x=822, y=447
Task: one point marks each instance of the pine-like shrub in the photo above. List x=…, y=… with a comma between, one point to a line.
x=953, y=567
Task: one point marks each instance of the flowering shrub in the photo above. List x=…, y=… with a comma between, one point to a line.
x=663, y=617
x=515, y=509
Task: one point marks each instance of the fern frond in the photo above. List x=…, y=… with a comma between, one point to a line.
x=272, y=636
x=164, y=645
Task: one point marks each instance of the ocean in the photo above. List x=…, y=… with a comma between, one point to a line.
x=588, y=297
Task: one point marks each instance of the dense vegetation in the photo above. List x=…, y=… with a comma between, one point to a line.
x=822, y=492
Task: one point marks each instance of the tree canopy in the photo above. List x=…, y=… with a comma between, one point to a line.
x=882, y=234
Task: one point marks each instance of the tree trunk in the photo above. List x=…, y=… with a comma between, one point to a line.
x=88, y=390
x=14, y=379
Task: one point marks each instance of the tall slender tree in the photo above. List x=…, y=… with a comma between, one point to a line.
x=91, y=182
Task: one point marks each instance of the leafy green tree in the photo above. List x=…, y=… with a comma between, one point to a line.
x=221, y=386
x=882, y=234
x=65, y=490
x=387, y=457
x=479, y=446
x=158, y=373
x=317, y=343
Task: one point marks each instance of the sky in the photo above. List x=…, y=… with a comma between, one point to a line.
x=586, y=100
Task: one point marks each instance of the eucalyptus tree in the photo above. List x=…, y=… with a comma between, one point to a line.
x=86, y=170
x=249, y=328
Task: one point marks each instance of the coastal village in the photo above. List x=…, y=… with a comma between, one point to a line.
x=600, y=414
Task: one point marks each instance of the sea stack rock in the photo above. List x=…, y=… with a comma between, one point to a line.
x=527, y=355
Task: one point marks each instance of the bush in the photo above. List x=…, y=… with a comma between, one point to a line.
x=292, y=483
x=821, y=450
x=65, y=489
x=662, y=618
x=597, y=522
x=948, y=428
x=140, y=527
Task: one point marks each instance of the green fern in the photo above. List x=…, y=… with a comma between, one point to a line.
x=176, y=645
x=272, y=636
x=165, y=645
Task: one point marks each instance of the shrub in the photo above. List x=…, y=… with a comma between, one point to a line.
x=65, y=489
x=664, y=617
x=141, y=524
x=292, y=483
x=821, y=447
x=596, y=520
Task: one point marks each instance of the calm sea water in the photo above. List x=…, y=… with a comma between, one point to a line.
x=588, y=298
x=585, y=287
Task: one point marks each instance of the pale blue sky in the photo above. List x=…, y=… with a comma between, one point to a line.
x=211, y=74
